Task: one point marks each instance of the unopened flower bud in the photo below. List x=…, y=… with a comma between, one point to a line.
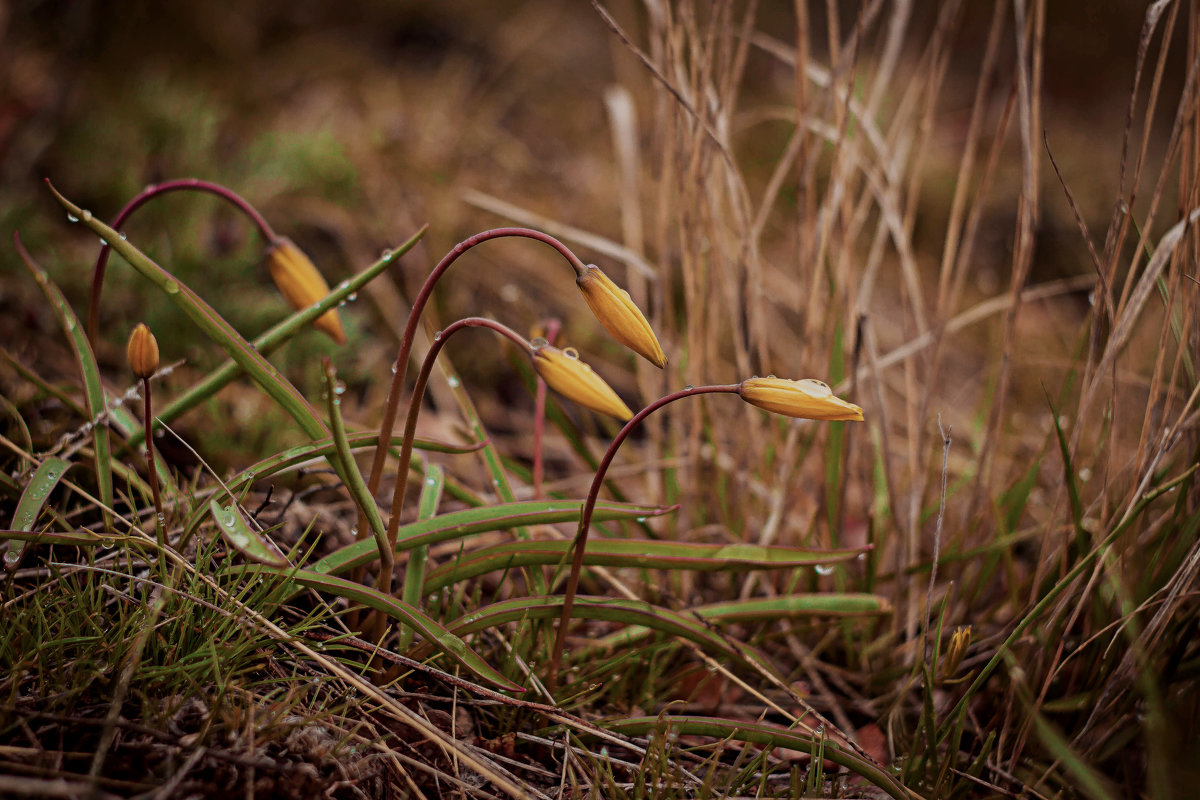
x=566, y=374
x=807, y=399
x=301, y=284
x=960, y=640
x=619, y=316
x=142, y=351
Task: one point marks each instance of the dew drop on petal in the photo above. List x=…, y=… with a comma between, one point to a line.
x=570, y=352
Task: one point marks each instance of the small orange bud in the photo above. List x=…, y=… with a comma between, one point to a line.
x=807, y=399
x=142, y=351
x=619, y=316
x=301, y=284
x=566, y=374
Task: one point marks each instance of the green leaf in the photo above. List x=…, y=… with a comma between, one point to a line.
x=351, y=476
x=611, y=609
x=33, y=499
x=634, y=553
x=761, y=733
x=469, y=521
x=241, y=537
x=292, y=457
x=788, y=606
x=85, y=359
x=435, y=634
x=1082, y=537
x=414, y=571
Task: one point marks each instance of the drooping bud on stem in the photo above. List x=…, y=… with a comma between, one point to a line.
x=806, y=399
x=619, y=315
x=301, y=284
x=566, y=374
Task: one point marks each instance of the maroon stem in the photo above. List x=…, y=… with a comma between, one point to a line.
x=146, y=194
x=589, y=506
x=539, y=417
x=151, y=472
x=400, y=368
x=414, y=409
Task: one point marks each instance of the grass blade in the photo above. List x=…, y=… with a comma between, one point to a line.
x=788, y=606
x=85, y=359
x=761, y=733
x=634, y=553
x=33, y=499
x=241, y=537
x=466, y=522
x=436, y=635
x=610, y=609
x=414, y=573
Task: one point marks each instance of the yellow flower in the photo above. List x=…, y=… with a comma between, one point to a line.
x=566, y=374
x=619, y=316
x=807, y=399
x=960, y=640
x=142, y=351
x=302, y=285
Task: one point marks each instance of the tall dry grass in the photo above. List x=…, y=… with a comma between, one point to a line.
x=1010, y=429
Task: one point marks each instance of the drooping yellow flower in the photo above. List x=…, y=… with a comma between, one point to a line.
x=301, y=284
x=807, y=399
x=142, y=352
x=619, y=315
x=566, y=374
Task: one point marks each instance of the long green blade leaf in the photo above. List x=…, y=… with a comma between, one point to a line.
x=241, y=537
x=788, y=606
x=457, y=524
x=437, y=636
x=635, y=553
x=33, y=499
x=611, y=609
x=765, y=734
x=85, y=359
